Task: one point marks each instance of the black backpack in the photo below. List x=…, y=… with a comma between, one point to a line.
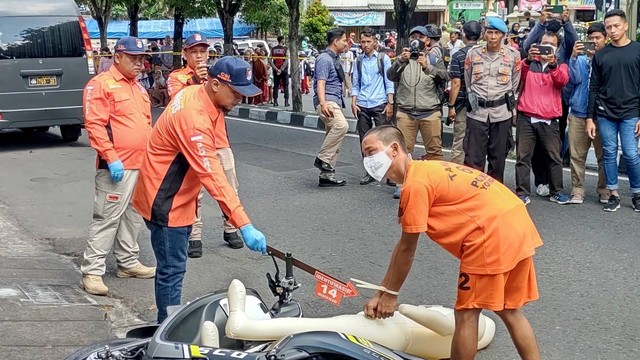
x=381, y=56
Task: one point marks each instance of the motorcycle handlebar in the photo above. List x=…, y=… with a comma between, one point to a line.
x=289, y=266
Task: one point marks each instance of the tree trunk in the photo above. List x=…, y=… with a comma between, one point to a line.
x=294, y=70
x=178, y=26
x=403, y=12
x=227, y=19
x=102, y=26
x=133, y=10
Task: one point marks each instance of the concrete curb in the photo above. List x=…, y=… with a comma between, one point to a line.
x=312, y=121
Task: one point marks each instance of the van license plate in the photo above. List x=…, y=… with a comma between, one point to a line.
x=43, y=81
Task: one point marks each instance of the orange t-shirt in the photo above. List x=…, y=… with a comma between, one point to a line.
x=471, y=215
x=180, y=79
x=181, y=159
x=117, y=117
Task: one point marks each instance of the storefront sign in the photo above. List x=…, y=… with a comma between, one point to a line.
x=359, y=18
x=468, y=6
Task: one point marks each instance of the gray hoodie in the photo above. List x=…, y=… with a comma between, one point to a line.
x=417, y=92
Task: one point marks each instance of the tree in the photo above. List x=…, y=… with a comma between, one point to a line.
x=227, y=11
x=316, y=22
x=294, y=21
x=131, y=11
x=101, y=12
x=403, y=13
x=272, y=20
x=183, y=10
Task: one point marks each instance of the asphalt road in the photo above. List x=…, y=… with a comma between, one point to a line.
x=587, y=270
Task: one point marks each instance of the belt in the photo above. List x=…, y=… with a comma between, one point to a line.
x=493, y=103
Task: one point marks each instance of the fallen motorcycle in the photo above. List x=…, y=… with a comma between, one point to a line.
x=237, y=324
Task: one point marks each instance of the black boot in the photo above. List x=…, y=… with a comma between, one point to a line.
x=195, y=249
x=323, y=166
x=367, y=179
x=275, y=103
x=286, y=103
x=233, y=240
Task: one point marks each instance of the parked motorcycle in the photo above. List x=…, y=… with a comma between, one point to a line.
x=237, y=324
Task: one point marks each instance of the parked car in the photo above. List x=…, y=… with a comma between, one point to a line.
x=46, y=59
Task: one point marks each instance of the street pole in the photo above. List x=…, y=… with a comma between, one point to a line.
x=632, y=18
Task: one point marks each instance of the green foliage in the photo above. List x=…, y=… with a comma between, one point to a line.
x=315, y=23
x=266, y=15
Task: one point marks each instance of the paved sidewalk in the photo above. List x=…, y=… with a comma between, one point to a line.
x=43, y=312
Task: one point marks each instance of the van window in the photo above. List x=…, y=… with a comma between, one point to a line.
x=31, y=37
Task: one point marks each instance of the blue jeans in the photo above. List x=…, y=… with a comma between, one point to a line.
x=170, y=248
x=609, y=130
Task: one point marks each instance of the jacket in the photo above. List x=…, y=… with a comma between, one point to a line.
x=541, y=94
x=579, y=70
x=417, y=87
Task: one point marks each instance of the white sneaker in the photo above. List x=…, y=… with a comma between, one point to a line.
x=577, y=199
x=543, y=190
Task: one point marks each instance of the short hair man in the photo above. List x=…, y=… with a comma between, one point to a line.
x=328, y=101
x=280, y=65
x=419, y=71
x=579, y=70
x=614, y=98
x=489, y=136
x=372, y=91
x=180, y=159
x=117, y=114
x=458, y=94
x=195, y=73
x=539, y=107
x=495, y=251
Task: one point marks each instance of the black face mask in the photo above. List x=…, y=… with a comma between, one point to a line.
x=554, y=25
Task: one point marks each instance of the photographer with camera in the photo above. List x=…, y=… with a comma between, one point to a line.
x=492, y=76
x=418, y=74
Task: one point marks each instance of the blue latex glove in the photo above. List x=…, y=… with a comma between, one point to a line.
x=116, y=169
x=254, y=239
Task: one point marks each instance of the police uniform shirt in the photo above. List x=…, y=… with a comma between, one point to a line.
x=490, y=77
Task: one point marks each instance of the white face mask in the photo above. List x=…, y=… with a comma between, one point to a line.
x=378, y=164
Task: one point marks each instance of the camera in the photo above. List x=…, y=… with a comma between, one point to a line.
x=414, y=48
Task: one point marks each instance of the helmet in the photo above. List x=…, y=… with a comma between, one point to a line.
x=433, y=32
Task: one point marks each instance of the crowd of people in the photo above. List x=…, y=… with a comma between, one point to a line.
x=157, y=175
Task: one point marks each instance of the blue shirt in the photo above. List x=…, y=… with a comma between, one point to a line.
x=579, y=73
x=325, y=69
x=372, y=93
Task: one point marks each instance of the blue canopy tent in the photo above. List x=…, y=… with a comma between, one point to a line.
x=156, y=29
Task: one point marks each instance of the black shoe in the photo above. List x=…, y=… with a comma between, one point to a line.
x=636, y=202
x=331, y=181
x=195, y=249
x=367, y=179
x=613, y=204
x=286, y=103
x=275, y=103
x=233, y=240
x=323, y=166
x=391, y=183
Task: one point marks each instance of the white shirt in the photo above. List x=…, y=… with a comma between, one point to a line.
x=453, y=48
x=346, y=59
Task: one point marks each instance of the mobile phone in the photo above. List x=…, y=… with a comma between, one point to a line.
x=545, y=49
x=557, y=9
x=588, y=45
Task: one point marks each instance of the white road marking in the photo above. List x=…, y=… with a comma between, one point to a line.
x=588, y=172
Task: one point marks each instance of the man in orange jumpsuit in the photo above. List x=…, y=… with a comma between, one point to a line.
x=117, y=116
x=476, y=219
x=195, y=52
x=181, y=159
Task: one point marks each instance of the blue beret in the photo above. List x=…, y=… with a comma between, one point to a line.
x=497, y=24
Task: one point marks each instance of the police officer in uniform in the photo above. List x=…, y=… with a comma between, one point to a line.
x=492, y=74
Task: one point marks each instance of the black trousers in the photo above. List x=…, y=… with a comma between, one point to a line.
x=540, y=160
x=539, y=135
x=367, y=117
x=487, y=142
x=283, y=79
